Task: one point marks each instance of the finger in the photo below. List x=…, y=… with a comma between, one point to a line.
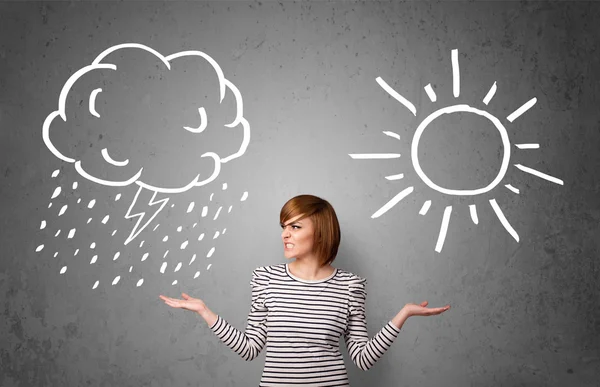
x=174, y=301
x=170, y=301
x=174, y=304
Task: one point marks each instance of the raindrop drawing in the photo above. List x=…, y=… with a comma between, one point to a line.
x=460, y=108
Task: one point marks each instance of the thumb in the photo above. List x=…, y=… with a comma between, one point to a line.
x=424, y=303
x=185, y=295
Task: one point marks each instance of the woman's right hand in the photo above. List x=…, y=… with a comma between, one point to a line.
x=189, y=303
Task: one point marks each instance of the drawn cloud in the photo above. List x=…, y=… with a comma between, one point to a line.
x=159, y=140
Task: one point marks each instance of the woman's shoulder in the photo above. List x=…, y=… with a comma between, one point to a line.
x=269, y=270
x=262, y=276
x=349, y=277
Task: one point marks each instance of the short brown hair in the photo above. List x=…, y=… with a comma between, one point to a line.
x=327, y=234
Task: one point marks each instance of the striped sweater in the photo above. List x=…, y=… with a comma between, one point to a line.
x=301, y=323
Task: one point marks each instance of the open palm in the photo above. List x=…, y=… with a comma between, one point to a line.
x=189, y=303
x=422, y=309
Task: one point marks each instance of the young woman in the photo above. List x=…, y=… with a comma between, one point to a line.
x=301, y=309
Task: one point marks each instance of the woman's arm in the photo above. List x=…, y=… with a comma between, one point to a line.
x=247, y=344
x=363, y=351
x=399, y=319
x=208, y=316
x=250, y=343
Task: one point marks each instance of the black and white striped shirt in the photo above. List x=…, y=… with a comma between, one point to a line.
x=301, y=323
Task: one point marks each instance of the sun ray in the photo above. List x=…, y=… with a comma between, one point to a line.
x=473, y=211
x=510, y=187
x=374, y=155
x=425, y=207
x=397, y=96
x=526, y=106
x=392, y=134
x=443, y=229
x=539, y=174
x=395, y=177
x=455, y=74
x=490, y=94
x=503, y=220
x=404, y=193
x=430, y=93
x=528, y=146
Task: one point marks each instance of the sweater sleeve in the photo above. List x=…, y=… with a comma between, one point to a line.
x=363, y=351
x=250, y=343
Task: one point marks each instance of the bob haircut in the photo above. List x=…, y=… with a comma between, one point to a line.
x=327, y=233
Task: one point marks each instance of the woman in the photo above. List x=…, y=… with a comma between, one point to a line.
x=301, y=309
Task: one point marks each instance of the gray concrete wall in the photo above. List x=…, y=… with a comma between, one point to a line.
x=523, y=313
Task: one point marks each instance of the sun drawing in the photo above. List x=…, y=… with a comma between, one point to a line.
x=415, y=160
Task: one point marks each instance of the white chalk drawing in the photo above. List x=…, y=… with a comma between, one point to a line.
x=150, y=197
x=459, y=108
x=138, y=177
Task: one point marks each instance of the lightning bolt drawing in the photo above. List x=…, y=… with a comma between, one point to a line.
x=141, y=214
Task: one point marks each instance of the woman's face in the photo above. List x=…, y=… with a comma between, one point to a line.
x=297, y=236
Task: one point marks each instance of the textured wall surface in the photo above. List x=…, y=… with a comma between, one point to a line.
x=524, y=313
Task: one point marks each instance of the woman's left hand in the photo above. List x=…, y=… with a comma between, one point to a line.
x=422, y=310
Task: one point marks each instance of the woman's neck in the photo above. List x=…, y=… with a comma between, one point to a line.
x=310, y=269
